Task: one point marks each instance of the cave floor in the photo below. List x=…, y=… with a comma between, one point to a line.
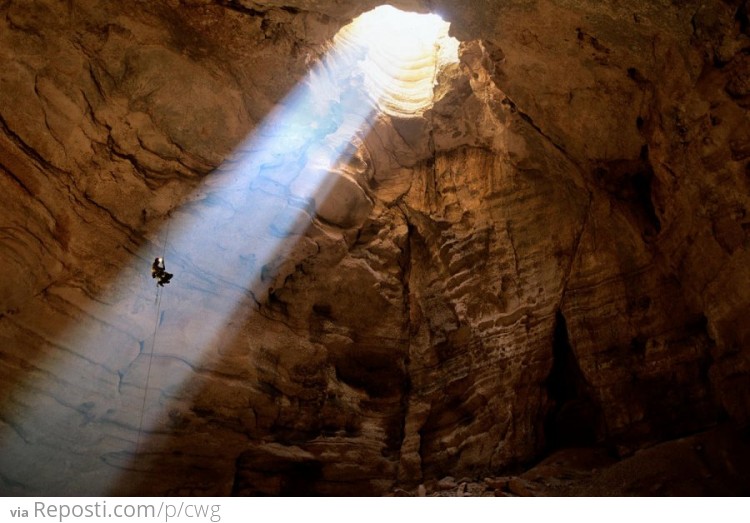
x=711, y=463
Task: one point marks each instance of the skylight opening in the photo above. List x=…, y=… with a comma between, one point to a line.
x=401, y=55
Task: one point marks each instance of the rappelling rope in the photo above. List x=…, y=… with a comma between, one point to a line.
x=153, y=344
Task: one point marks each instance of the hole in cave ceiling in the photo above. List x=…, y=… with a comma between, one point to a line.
x=401, y=54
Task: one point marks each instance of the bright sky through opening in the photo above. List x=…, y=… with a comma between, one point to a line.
x=402, y=55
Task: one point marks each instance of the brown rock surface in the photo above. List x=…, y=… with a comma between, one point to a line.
x=710, y=463
x=554, y=254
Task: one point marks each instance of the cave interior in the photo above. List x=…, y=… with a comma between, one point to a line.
x=491, y=251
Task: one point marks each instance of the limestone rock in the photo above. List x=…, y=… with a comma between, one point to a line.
x=552, y=254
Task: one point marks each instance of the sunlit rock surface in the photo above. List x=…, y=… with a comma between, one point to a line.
x=554, y=254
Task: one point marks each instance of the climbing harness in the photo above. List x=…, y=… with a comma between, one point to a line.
x=159, y=271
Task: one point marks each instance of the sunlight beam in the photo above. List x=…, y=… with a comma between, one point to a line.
x=224, y=246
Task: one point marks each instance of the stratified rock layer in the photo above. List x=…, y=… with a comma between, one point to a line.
x=554, y=254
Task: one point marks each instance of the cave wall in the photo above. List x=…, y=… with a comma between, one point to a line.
x=560, y=240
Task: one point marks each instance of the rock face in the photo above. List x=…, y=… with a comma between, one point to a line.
x=554, y=254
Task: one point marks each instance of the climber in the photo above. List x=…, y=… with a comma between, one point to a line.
x=159, y=271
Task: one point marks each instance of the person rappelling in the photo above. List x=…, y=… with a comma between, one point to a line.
x=159, y=271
